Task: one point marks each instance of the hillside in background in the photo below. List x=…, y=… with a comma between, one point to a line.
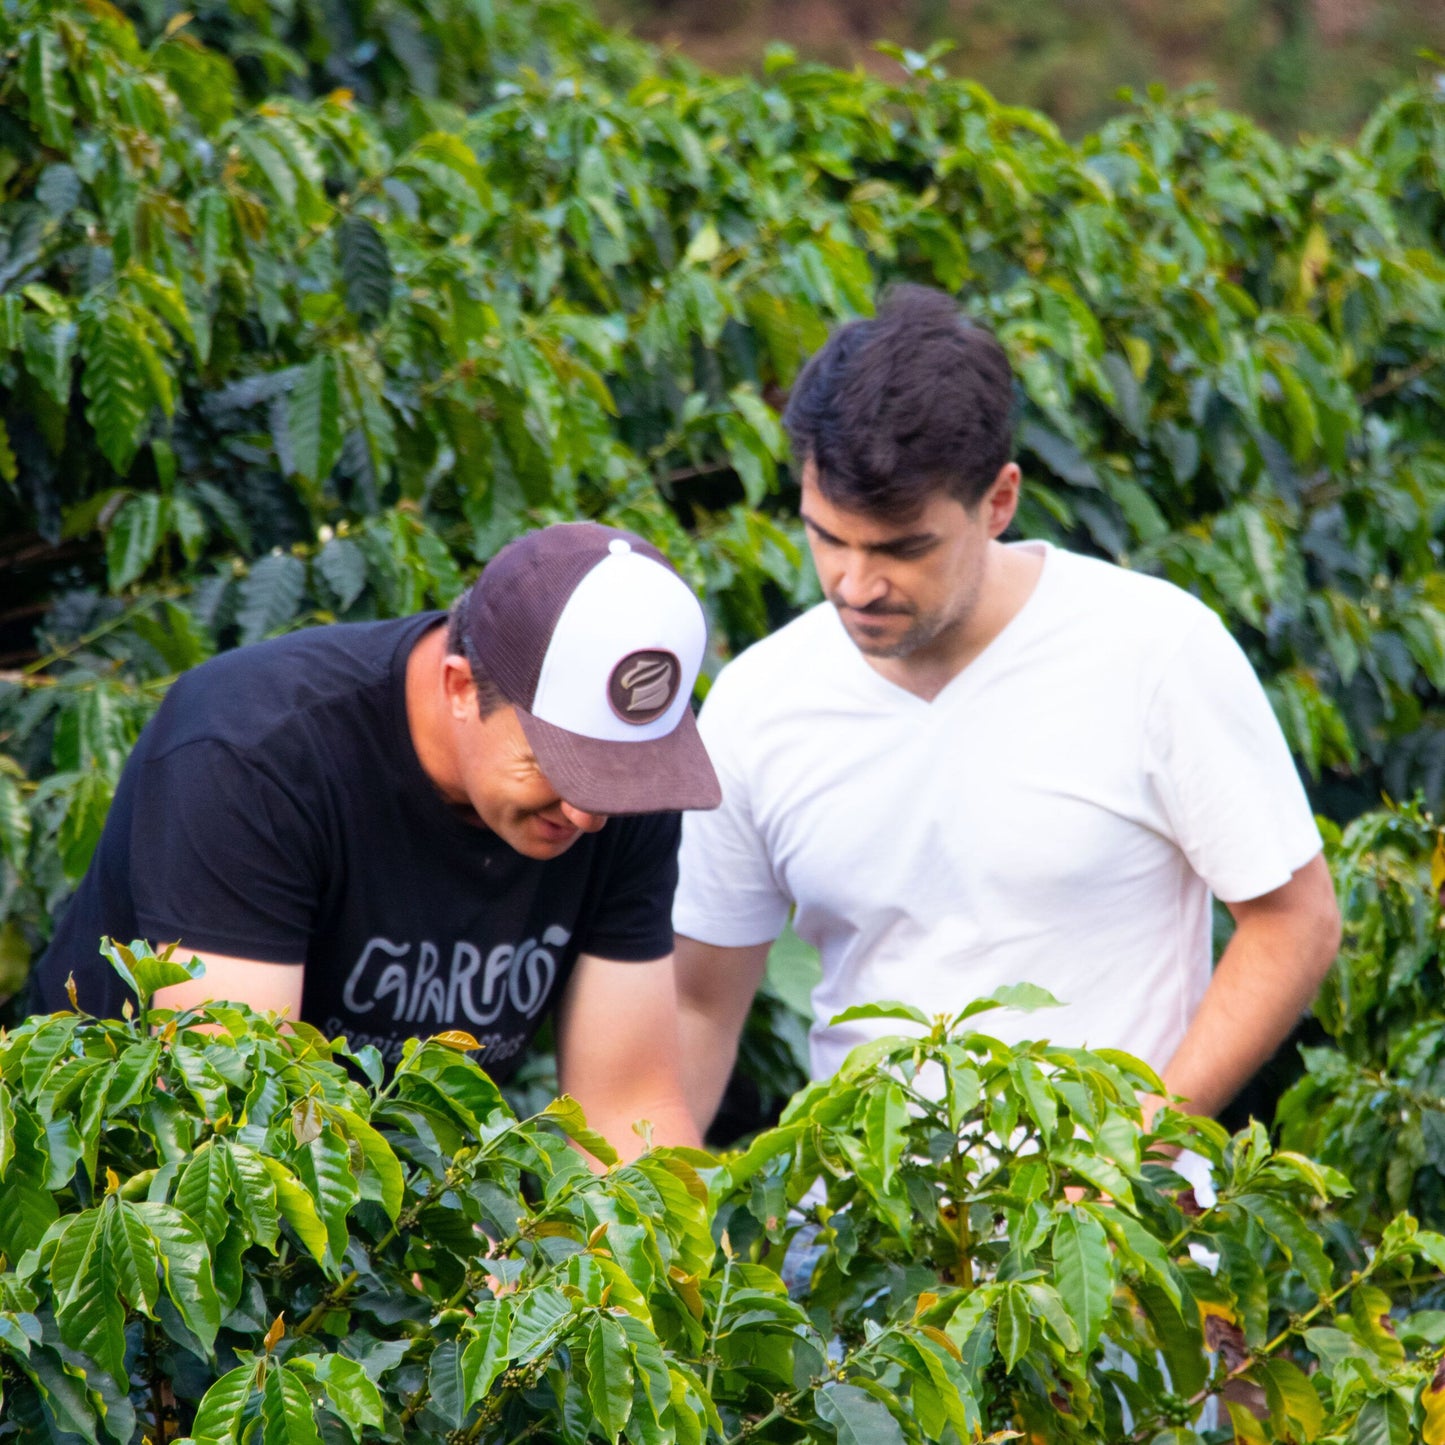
x=1314, y=66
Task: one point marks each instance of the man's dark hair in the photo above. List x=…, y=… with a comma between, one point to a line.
x=913, y=401
x=489, y=695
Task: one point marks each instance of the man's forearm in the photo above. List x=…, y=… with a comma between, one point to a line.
x=709, y=1051
x=715, y=988
x=668, y=1121
x=1282, y=948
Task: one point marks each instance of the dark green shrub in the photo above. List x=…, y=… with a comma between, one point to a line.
x=213, y=1225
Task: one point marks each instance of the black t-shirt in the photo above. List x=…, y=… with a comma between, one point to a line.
x=275, y=809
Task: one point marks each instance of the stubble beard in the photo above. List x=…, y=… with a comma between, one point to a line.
x=924, y=632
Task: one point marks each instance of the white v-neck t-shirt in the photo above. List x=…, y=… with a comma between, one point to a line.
x=1059, y=814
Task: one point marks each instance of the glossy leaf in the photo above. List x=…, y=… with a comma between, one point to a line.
x=1084, y=1273
x=609, y=1375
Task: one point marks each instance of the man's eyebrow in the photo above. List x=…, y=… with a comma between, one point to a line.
x=892, y=544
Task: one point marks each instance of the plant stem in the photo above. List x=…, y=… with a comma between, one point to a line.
x=753, y=1426
x=405, y=1220
x=963, y=1235
x=722, y=1296
x=95, y=634
x=1295, y=1326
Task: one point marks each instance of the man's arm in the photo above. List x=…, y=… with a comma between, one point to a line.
x=266, y=987
x=1283, y=945
x=715, y=987
x=617, y=1051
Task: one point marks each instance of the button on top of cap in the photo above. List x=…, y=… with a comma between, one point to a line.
x=618, y=545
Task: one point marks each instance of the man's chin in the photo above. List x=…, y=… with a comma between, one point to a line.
x=540, y=841
x=881, y=641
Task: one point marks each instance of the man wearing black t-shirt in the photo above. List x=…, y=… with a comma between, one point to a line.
x=390, y=829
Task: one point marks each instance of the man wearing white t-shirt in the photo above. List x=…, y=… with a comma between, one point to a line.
x=980, y=763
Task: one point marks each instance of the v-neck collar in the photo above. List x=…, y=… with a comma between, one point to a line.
x=973, y=673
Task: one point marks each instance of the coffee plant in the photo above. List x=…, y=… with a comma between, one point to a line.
x=219, y=1229
x=303, y=314
x=1372, y=1103
x=304, y=311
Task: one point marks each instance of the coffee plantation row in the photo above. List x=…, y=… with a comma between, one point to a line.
x=301, y=318
x=212, y=1228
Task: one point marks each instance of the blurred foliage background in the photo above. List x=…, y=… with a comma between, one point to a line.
x=1314, y=66
x=306, y=309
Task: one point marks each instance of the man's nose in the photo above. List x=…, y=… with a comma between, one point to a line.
x=580, y=818
x=860, y=582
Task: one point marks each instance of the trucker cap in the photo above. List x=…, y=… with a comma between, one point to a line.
x=596, y=642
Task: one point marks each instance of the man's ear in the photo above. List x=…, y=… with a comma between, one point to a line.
x=1001, y=500
x=458, y=687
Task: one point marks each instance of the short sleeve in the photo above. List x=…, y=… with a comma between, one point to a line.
x=1222, y=772
x=632, y=920
x=727, y=893
x=223, y=857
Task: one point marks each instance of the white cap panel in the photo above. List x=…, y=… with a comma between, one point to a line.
x=627, y=603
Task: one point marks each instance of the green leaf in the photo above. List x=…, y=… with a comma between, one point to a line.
x=382, y=1179
x=14, y=823
x=165, y=298
x=223, y=1406
x=762, y=418
x=1103, y=1174
x=313, y=422
x=1083, y=1273
x=1026, y=997
x=286, y=1414
x=43, y=78
x=567, y=1113
x=444, y=1384
x=204, y=1189
x=30, y=1208
x=325, y=1166
x=187, y=1269
x=1383, y=1421
x=133, y=1251
x=9, y=467
x=271, y=595
x=114, y=348
x=49, y=348
x=7, y=1131
x=15, y=958
x=750, y=459
x=704, y=246
x=70, y=1402
x=145, y=971
x=856, y=1416
x=297, y=1208
x=1293, y=1235
x=1045, y=1302
x=445, y=581
x=885, y=1127
x=133, y=539
x=1037, y=1094
x=1294, y=1406
x=254, y=1193
x=1139, y=1250
x=343, y=564
x=1014, y=1325
x=350, y=1392
x=609, y=1375
x=362, y=393
x=487, y=1351
x=88, y=1306
x=365, y=268
x=888, y=1009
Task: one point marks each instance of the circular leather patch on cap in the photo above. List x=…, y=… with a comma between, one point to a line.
x=643, y=685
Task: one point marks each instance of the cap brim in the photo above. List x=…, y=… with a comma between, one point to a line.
x=661, y=775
